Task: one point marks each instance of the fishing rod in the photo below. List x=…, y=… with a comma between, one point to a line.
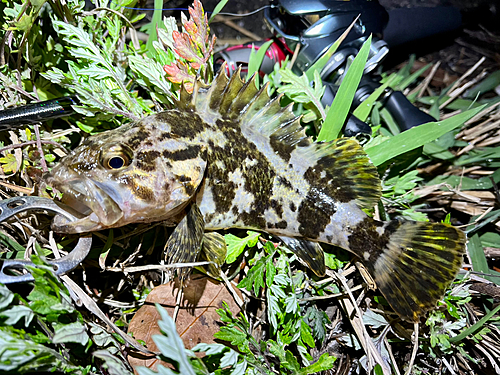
x=33, y=113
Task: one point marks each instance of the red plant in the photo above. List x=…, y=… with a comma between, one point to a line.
x=194, y=48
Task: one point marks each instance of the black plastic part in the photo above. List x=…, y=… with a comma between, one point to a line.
x=411, y=24
x=366, y=87
x=355, y=126
x=404, y=113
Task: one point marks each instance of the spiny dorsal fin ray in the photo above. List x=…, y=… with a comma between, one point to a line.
x=231, y=92
x=344, y=162
x=235, y=99
x=417, y=265
x=244, y=97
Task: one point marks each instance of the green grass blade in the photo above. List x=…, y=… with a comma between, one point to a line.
x=151, y=28
x=487, y=84
x=478, y=259
x=321, y=62
x=390, y=122
x=475, y=327
x=403, y=73
x=488, y=218
x=256, y=59
x=417, y=136
x=217, y=9
x=412, y=78
x=343, y=99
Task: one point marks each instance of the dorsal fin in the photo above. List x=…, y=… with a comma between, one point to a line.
x=232, y=98
x=344, y=162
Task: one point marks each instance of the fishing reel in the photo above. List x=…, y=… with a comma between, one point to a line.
x=317, y=24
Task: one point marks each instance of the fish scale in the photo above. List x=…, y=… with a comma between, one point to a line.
x=229, y=156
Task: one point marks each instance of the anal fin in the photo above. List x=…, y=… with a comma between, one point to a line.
x=309, y=252
x=214, y=250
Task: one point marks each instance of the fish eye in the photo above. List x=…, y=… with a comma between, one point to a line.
x=116, y=157
x=116, y=162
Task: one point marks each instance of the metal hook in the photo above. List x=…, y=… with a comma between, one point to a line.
x=14, y=206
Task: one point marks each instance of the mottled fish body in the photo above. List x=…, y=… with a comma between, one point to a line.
x=230, y=157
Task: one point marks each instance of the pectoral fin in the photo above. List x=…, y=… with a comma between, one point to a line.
x=185, y=242
x=308, y=252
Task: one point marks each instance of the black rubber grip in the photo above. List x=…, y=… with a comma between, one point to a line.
x=404, y=113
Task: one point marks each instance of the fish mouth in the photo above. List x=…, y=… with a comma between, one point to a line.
x=89, y=201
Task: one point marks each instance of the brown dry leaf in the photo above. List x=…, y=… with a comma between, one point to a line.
x=197, y=320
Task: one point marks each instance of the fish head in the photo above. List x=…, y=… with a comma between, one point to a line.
x=124, y=176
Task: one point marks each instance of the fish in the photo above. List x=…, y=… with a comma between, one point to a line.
x=228, y=155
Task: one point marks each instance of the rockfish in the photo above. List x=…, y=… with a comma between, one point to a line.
x=229, y=156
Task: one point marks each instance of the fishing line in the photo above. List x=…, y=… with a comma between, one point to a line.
x=221, y=13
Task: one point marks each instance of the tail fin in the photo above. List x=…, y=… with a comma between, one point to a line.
x=415, y=264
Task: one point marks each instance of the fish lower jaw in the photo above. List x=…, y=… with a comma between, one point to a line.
x=90, y=223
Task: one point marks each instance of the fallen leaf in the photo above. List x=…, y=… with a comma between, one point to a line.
x=197, y=320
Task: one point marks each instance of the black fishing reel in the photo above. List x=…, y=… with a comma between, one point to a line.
x=316, y=25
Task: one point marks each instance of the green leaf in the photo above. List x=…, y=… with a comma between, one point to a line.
x=230, y=358
x=319, y=320
x=155, y=23
x=490, y=239
x=49, y=294
x=255, y=60
x=20, y=355
x=15, y=314
x=332, y=262
x=236, y=245
x=416, y=137
x=113, y=364
x=233, y=335
x=378, y=370
x=72, y=332
x=373, y=319
x=291, y=362
x=479, y=261
x=364, y=108
x=217, y=9
x=12, y=245
x=337, y=113
x=6, y=296
x=300, y=90
x=325, y=362
x=272, y=308
x=306, y=335
x=270, y=273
